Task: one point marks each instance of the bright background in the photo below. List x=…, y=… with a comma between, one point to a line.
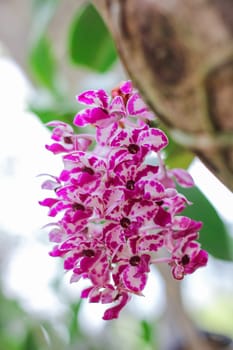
x=29, y=273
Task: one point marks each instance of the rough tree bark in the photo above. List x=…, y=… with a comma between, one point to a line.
x=179, y=53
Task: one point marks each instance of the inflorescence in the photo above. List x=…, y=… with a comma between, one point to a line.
x=119, y=214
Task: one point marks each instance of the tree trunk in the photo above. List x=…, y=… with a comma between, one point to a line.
x=179, y=53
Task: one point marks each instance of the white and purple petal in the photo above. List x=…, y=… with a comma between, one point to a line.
x=122, y=138
x=153, y=138
x=150, y=243
x=126, y=87
x=106, y=134
x=183, y=178
x=132, y=280
x=117, y=107
x=113, y=312
x=95, y=116
x=136, y=106
x=94, y=98
x=153, y=190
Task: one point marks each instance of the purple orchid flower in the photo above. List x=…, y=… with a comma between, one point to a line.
x=115, y=214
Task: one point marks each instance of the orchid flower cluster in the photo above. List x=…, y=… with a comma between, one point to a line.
x=118, y=213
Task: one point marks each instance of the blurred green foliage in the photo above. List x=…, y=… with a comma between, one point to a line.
x=43, y=63
x=41, y=57
x=20, y=330
x=90, y=44
x=214, y=236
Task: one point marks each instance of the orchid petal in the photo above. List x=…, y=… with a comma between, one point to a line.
x=136, y=106
x=133, y=283
x=95, y=116
x=94, y=98
x=117, y=107
x=126, y=87
x=154, y=138
x=182, y=177
x=114, y=311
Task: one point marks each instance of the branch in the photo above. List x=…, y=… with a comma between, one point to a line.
x=180, y=56
x=177, y=329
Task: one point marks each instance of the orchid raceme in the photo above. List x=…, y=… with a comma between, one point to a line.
x=116, y=213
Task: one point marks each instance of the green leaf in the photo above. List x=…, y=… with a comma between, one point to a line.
x=214, y=236
x=176, y=155
x=48, y=108
x=30, y=341
x=43, y=64
x=90, y=43
x=74, y=329
x=50, y=113
x=147, y=331
x=41, y=56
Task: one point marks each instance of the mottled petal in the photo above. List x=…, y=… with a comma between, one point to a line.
x=113, y=236
x=57, y=148
x=50, y=184
x=116, y=156
x=143, y=209
x=109, y=294
x=94, y=97
x=56, y=235
x=100, y=272
x=199, y=260
x=60, y=130
x=153, y=190
x=150, y=243
x=58, y=123
x=112, y=200
x=153, y=138
x=95, y=116
x=126, y=87
x=117, y=107
x=162, y=217
x=94, y=295
x=183, y=178
x=105, y=135
x=121, y=139
x=178, y=272
x=70, y=261
x=133, y=283
x=136, y=106
x=181, y=222
x=85, y=292
x=114, y=311
x=48, y=202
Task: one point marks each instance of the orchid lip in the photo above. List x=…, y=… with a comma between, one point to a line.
x=88, y=252
x=134, y=260
x=68, y=140
x=88, y=170
x=78, y=206
x=133, y=148
x=185, y=260
x=130, y=185
x=125, y=222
